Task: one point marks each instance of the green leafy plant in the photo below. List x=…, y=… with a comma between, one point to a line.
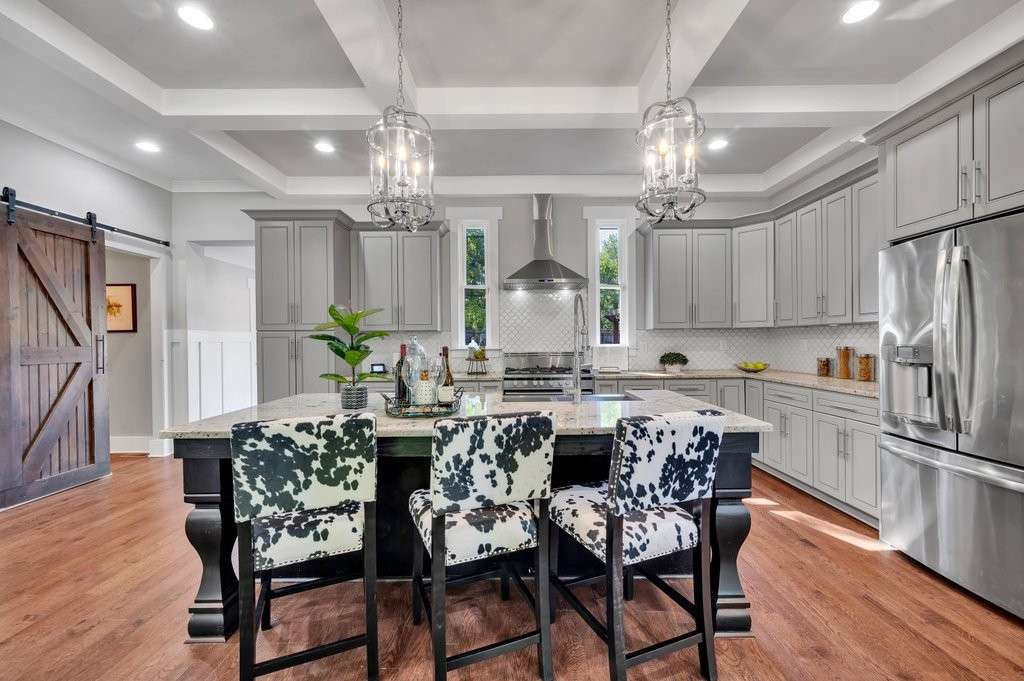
x=674, y=358
x=355, y=350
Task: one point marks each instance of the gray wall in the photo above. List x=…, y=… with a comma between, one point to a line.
x=129, y=369
x=219, y=293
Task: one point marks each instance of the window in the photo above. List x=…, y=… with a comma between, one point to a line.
x=609, y=228
x=475, y=284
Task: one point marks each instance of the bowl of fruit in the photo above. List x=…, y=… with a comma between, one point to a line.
x=752, y=367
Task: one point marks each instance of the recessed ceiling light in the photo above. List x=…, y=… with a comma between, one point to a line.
x=718, y=143
x=859, y=11
x=324, y=147
x=195, y=17
x=859, y=139
x=147, y=146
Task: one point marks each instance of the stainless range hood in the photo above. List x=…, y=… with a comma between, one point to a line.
x=543, y=272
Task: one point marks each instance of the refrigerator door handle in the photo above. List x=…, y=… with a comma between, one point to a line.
x=961, y=390
x=983, y=476
x=940, y=377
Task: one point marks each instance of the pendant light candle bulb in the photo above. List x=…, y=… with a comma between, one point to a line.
x=663, y=146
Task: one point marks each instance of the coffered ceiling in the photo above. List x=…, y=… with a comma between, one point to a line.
x=537, y=95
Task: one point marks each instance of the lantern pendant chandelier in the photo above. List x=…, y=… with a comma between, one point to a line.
x=401, y=162
x=668, y=137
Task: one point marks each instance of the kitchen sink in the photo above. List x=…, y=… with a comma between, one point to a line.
x=568, y=398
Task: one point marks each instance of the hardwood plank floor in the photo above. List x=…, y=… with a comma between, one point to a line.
x=95, y=582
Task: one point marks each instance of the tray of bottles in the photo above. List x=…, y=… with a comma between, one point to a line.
x=403, y=409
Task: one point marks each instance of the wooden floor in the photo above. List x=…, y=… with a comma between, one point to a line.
x=95, y=582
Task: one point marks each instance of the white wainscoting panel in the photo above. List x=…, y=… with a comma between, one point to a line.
x=221, y=372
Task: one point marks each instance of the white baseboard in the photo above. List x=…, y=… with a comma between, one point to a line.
x=129, y=444
x=161, y=447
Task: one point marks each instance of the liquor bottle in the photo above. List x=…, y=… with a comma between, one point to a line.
x=401, y=390
x=445, y=380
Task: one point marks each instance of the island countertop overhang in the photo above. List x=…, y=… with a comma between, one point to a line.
x=588, y=418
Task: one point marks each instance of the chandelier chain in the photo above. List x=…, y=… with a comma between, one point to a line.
x=401, y=61
x=668, y=50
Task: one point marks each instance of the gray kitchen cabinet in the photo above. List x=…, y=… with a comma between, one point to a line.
x=302, y=261
x=640, y=384
x=669, y=299
x=274, y=275
x=399, y=273
x=732, y=394
x=312, y=358
x=785, y=271
x=862, y=466
x=868, y=240
x=836, y=258
x=489, y=386
x=275, y=364
x=772, y=452
x=419, y=280
x=753, y=406
x=829, y=462
x=712, y=278
x=799, y=444
x=753, y=278
x=997, y=172
x=606, y=387
x=928, y=169
x=807, y=254
x=377, y=279
x=699, y=389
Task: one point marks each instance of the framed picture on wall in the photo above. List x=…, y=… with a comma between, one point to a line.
x=121, y=312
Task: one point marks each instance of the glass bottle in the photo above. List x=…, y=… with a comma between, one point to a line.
x=445, y=380
x=401, y=390
x=418, y=376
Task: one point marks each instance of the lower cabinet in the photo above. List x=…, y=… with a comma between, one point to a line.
x=289, y=363
x=479, y=386
x=732, y=394
x=606, y=387
x=753, y=406
x=703, y=390
x=846, y=461
x=788, y=447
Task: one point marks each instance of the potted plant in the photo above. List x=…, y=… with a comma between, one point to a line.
x=353, y=392
x=673, y=362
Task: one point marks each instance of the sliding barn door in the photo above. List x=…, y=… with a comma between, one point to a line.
x=53, y=395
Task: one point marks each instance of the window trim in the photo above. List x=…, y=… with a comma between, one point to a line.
x=625, y=218
x=459, y=220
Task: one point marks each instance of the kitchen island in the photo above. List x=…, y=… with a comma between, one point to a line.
x=582, y=447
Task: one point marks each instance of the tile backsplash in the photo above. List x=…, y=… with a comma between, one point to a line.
x=542, y=321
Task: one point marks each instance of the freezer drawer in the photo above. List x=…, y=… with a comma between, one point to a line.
x=958, y=515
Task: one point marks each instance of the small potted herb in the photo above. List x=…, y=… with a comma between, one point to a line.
x=673, y=362
x=353, y=392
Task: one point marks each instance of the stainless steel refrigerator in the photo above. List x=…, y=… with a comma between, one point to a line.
x=952, y=397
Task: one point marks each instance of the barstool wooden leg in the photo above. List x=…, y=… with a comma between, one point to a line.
x=702, y=595
x=543, y=595
x=553, y=567
x=417, y=576
x=370, y=588
x=265, y=587
x=613, y=599
x=437, y=595
x=246, y=605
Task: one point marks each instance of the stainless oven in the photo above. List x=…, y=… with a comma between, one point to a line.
x=548, y=373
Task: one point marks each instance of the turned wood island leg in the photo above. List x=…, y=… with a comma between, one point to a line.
x=210, y=528
x=730, y=525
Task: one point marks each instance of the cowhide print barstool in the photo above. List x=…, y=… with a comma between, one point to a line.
x=490, y=486
x=657, y=502
x=304, y=489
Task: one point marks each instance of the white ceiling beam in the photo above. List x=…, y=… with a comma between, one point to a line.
x=698, y=27
x=971, y=51
x=251, y=168
x=364, y=31
x=819, y=152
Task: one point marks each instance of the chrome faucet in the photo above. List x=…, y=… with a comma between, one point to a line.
x=580, y=341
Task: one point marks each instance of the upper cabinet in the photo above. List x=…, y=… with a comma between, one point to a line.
x=712, y=278
x=399, y=273
x=753, y=278
x=836, y=259
x=998, y=169
x=868, y=240
x=785, y=271
x=297, y=268
x=689, y=278
x=964, y=160
x=807, y=251
x=928, y=171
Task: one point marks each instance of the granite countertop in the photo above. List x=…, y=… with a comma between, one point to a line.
x=588, y=418
x=795, y=378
